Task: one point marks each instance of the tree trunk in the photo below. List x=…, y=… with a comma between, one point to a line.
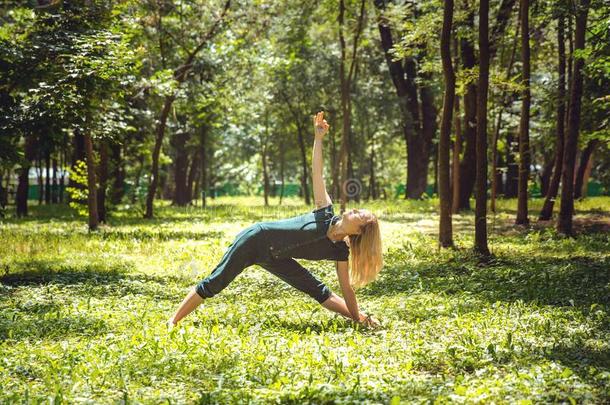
x=154, y=175
x=118, y=174
x=445, y=226
x=372, y=180
x=304, y=165
x=136, y=184
x=63, y=162
x=417, y=154
x=47, y=186
x=480, y=216
x=455, y=166
x=54, y=190
x=204, y=164
x=39, y=173
x=468, y=164
x=91, y=186
x=192, y=175
x=505, y=101
x=566, y=211
x=78, y=154
x=346, y=85
x=545, y=176
x=512, y=172
x=178, y=141
x=547, y=209
x=180, y=74
x=418, y=148
x=585, y=159
x=265, y=175
x=524, y=123
x=428, y=127
x=103, y=181
x=282, y=167
x=24, y=180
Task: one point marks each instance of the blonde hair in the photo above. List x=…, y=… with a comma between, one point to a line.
x=366, y=260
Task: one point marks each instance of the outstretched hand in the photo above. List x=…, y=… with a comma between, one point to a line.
x=369, y=321
x=320, y=125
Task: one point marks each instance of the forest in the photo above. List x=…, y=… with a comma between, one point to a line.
x=138, y=137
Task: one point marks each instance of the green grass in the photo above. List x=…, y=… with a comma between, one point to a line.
x=82, y=315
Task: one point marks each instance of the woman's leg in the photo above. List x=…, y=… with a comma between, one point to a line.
x=298, y=276
x=238, y=256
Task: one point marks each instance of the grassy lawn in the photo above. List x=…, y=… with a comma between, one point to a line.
x=82, y=315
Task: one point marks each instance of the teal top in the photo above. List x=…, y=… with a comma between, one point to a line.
x=304, y=237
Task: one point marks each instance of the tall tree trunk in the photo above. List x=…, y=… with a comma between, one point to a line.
x=265, y=174
x=585, y=159
x=468, y=164
x=404, y=83
x=304, y=165
x=192, y=175
x=178, y=141
x=54, y=190
x=505, y=101
x=545, y=176
x=428, y=127
x=524, y=123
x=103, y=181
x=445, y=226
x=118, y=173
x=47, y=187
x=512, y=172
x=136, y=183
x=91, y=186
x=302, y=148
x=24, y=181
x=180, y=75
x=39, y=173
x=78, y=154
x=346, y=85
x=3, y=192
x=566, y=211
x=63, y=163
x=372, y=179
x=455, y=165
x=154, y=175
x=480, y=216
x=457, y=145
x=204, y=164
x=282, y=166
x=418, y=147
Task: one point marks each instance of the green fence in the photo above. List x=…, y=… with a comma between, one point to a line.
x=594, y=189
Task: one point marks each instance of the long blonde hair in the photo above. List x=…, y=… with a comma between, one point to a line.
x=366, y=259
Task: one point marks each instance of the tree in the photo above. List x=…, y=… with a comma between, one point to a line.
x=549, y=201
x=179, y=76
x=566, y=211
x=524, y=123
x=347, y=80
x=445, y=231
x=480, y=216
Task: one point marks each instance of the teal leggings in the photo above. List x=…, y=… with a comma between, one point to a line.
x=250, y=247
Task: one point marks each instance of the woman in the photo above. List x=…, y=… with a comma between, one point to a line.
x=318, y=235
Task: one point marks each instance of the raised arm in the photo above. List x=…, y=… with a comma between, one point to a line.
x=320, y=196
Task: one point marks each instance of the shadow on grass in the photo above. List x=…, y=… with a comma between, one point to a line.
x=583, y=361
x=94, y=279
x=52, y=325
x=579, y=281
